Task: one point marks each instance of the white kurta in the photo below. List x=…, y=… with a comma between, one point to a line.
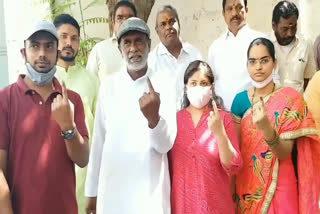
x=105, y=58
x=161, y=60
x=128, y=166
x=228, y=59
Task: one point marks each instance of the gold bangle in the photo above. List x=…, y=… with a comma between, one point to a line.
x=275, y=141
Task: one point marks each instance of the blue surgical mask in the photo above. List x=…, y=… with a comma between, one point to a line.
x=39, y=78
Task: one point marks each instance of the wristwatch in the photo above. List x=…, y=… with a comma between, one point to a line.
x=69, y=134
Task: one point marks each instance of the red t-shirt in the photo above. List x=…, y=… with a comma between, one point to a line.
x=40, y=173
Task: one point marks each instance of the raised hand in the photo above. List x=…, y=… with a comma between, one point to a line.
x=62, y=111
x=149, y=105
x=259, y=116
x=215, y=123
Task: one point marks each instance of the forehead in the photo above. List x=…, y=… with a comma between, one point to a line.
x=124, y=10
x=292, y=20
x=258, y=51
x=200, y=74
x=68, y=29
x=165, y=15
x=42, y=37
x=230, y=3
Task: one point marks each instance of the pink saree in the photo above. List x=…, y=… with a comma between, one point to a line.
x=268, y=185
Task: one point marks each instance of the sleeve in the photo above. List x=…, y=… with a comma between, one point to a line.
x=236, y=162
x=4, y=126
x=310, y=69
x=164, y=134
x=79, y=118
x=99, y=132
x=92, y=64
x=235, y=109
x=312, y=97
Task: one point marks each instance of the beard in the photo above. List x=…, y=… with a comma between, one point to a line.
x=69, y=58
x=135, y=66
x=283, y=41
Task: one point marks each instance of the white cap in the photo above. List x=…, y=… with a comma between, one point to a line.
x=42, y=26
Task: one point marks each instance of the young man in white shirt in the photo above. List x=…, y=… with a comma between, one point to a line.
x=296, y=64
x=172, y=55
x=128, y=167
x=227, y=54
x=105, y=57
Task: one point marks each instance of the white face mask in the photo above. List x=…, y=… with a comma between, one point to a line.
x=39, y=78
x=263, y=83
x=199, y=96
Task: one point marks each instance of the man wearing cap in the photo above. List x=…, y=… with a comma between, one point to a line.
x=105, y=57
x=42, y=133
x=135, y=127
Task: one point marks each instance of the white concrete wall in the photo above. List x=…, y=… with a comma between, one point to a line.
x=4, y=80
x=201, y=21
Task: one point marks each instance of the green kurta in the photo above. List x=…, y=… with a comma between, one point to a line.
x=87, y=86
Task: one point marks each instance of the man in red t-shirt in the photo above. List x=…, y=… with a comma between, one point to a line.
x=42, y=133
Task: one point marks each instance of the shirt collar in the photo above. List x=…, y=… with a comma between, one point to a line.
x=70, y=69
x=163, y=50
x=26, y=90
x=244, y=29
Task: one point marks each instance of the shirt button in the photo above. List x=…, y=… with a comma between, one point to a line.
x=40, y=103
x=32, y=92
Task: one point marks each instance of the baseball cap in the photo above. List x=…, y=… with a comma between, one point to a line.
x=42, y=26
x=133, y=24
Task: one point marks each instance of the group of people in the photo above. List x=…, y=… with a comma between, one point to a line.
x=168, y=132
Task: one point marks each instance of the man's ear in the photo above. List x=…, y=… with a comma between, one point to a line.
x=274, y=26
x=23, y=53
x=149, y=44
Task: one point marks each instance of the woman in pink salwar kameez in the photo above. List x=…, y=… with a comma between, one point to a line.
x=206, y=150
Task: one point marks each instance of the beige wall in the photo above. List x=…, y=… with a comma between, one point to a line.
x=201, y=21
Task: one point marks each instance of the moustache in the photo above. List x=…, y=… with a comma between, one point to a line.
x=68, y=49
x=235, y=18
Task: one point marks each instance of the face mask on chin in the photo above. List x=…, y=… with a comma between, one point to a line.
x=199, y=96
x=263, y=83
x=39, y=78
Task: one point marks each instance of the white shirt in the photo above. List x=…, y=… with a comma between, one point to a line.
x=105, y=58
x=161, y=60
x=295, y=63
x=227, y=58
x=128, y=166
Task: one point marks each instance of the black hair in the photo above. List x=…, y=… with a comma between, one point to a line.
x=192, y=68
x=263, y=41
x=124, y=3
x=66, y=19
x=284, y=9
x=225, y=1
x=172, y=9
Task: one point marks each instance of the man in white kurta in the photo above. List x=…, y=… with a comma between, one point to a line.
x=128, y=166
x=172, y=55
x=227, y=55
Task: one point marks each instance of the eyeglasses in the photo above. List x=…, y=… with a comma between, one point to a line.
x=263, y=61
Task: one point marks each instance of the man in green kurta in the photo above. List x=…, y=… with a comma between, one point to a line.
x=77, y=79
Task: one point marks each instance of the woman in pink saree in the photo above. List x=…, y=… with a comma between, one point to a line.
x=279, y=144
